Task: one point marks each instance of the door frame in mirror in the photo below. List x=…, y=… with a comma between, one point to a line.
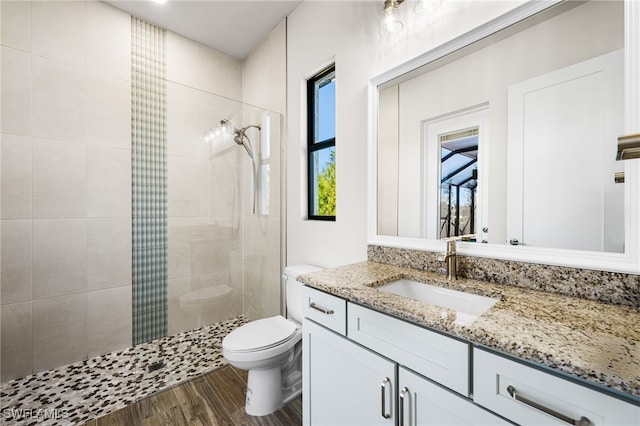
x=627, y=262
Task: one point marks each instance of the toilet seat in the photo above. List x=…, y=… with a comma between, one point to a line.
x=261, y=334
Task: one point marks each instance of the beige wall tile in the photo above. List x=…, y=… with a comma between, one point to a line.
x=108, y=40
x=58, y=31
x=16, y=350
x=108, y=182
x=188, y=189
x=59, y=331
x=16, y=195
x=179, y=319
x=224, y=181
x=182, y=58
x=108, y=111
x=16, y=24
x=108, y=253
x=185, y=134
x=219, y=73
x=16, y=91
x=59, y=179
x=16, y=263
x=59, y=257
x=58, y=106
x=109, y=320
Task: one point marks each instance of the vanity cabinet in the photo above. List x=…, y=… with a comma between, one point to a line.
x=529, y=396
x=363, y=367
x=367, y=377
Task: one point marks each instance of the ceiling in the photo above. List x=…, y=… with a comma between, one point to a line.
x=234, y=27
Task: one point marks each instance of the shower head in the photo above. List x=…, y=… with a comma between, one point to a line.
x=240, y=137
x=227, y=126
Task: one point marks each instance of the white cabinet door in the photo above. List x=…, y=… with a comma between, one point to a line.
x=343, y=383
x=422, y=402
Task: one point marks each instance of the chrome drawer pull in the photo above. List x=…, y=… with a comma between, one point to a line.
x=383, y=394
x=583, y=421
x=321, y=309
x=403, y=392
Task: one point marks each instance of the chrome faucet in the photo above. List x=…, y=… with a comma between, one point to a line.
x=451, y=258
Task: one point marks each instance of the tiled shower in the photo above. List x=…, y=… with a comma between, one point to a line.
x=66, y=189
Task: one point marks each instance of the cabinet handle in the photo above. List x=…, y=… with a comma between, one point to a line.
x=383, y=394
x=403, y=392
x=320, y=308
x=582, y=421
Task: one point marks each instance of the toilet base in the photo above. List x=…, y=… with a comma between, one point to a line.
x=264, y=391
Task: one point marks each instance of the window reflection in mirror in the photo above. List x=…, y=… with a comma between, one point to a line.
x=458, y=183
x=545, y=172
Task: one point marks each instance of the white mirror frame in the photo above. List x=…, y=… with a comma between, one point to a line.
x=627, y=262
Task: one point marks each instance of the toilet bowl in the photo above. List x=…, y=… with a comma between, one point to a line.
x=270, y=350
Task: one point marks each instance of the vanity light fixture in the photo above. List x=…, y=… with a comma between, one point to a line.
x=628, y=147
x=391, y=22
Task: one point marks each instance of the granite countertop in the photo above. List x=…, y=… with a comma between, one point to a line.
x=594, y=341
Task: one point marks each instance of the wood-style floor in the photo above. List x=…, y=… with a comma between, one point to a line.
x=213, y=399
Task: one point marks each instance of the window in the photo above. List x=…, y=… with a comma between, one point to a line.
x=321, y=145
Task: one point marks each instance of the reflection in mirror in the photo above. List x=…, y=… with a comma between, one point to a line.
x=458, y=183
x=546, y=97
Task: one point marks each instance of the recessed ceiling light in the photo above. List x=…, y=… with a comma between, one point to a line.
x=160, y=1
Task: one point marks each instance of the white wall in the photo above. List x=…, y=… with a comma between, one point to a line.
x=349, y=32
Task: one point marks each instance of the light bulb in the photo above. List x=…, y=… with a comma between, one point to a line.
x=425, y=7
x=391, y=23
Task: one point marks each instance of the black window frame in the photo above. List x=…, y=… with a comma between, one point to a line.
x=313, y=146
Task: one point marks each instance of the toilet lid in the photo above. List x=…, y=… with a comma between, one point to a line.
x=260, y=334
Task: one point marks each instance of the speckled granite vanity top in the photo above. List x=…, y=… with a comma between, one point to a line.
x=592, y=340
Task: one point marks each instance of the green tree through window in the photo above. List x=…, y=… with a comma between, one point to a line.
x=327, y=188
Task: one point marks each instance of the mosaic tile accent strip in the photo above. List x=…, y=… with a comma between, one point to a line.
x=601, y=286
x=149, y=180
x=77, y=393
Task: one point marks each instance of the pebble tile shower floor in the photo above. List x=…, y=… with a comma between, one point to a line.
x=77, y=393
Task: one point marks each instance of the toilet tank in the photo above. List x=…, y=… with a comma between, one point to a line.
x=293, y=289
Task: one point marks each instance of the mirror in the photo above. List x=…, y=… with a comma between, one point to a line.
x=509, y=139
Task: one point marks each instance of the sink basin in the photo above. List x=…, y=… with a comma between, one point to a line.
x=467, y=306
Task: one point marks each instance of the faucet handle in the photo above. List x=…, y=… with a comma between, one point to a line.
x=451, y=246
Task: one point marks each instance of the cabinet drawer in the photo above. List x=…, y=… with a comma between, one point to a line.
x=325, y=309
x=440, y=358
x=499, y=381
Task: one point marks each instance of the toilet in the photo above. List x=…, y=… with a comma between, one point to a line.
x=269, y=349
